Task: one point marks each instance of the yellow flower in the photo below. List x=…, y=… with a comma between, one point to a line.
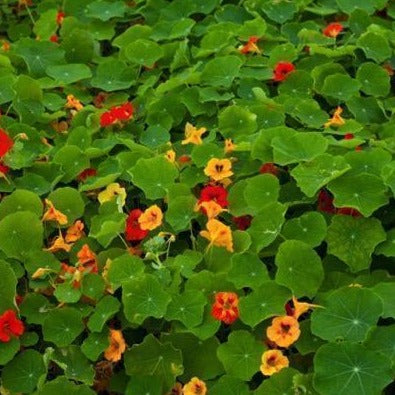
x=74, y=103
x=59, y=244
x=229, y=146
x=273, y=361
x=151, y=218
x=218, y=234
x=40, y=272
x=336, y=119
x=195, y=387
x=283, y=331
x=193, y=135
x=218, y=169
x=301, y=307
x=117, y=346
x=54, y=215
x=75, y=232
x=170, y=156
x=113, y=190
x=211, y=208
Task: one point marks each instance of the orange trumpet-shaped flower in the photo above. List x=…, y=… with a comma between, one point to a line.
x=284, y=331
x=117, y=346
x=229, y=146
x=218, y=169
x=226, y=307
x=250, y=46
x=336, y=119
x=54, y=215
x=170, y=155
x=193, y=135
x=218, y=234
x=195, y=387
x=301, y=307
x=59, y=244
x=211, y=208
x=333, y=29
x=75, y=232
x=87, y=259
x=151, y=218
x=273, y=361
x=74, y=103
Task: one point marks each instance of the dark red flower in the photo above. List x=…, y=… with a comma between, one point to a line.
x=282, y=70
x=54, y=38
x=6, y=142
x=243, y=222
x=270, y=168
x=90, y=172
x=10, y=325
x=358, y=148
x=348, y=211
x=348, y=136
x=133, y=232
x=333, y=29
x=59, y=17
x=214, y=192
x=123, y=112
x=18, y=299
x=3, y=168
x=325, y=202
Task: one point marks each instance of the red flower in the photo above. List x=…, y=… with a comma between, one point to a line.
x=107, y=119
x=282, y=70
x=333, y=29
x=348, y=211
x=54, y=38
x=269, y=168
x=348, y=136
x=325, y=202
x=225, y=307
x=90, y=172
x=121, y=113
x=217, y=193
x=6, y=142
x=10, y=325
x=3, y=168
x=59, y=17
x=184, y=159
x=18, y=299
x=358, y=148
x=133, y=232
x=242, y=222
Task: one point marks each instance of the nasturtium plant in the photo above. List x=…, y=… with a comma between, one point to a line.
x=197, y=197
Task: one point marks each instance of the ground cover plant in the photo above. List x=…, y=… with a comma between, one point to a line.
x=197, y=197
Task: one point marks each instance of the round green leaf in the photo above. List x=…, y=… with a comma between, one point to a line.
x=382, y=339
x=8, y=287
x=21, y=200
x=124, y=268
x=143, y=52
x=340, y=86
x=221, y=71
x=386, y=292
x=69, y=73
x=62, y=386
x=350, y=368
x=104, y=310
x=348, y=314
x=95, y=344
x=374, y=79
x=235, y=121
x=299, y=268
x=8, y=350
x=375, y=46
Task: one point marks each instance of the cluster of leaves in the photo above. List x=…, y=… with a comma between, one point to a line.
x=319, y=225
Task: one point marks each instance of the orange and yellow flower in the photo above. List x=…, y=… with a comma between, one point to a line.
x=151, y=218
x=59, y=244
x=273, y=361
x=218, y=234
x=87, y=259
x=336, y=119
x=111, y=192
x=211, y=208
x=250, y=46
x=52, y=214
x=195, y=387
x=170, y=155
x=193, y=135
x=73, y=103
x=301, y=307
x=283, y=331
x=226, y=307
x=75, y=232
x=117, y=346
x=229, y=146
x=218, y=169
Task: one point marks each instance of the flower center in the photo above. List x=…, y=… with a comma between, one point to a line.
x=219, y=168
x=285, y=328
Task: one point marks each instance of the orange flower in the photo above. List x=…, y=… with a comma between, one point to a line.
x=273, y=361
x=250, y=46
x=54, y=215
x=195, y=387
x=301, y=307
x=41, y=272
x=75, y=232
x=74, y=103
x=229, y=146
x=218, y=169
x=59, y=244
x=333, y=29
x=336, y=119
x=218, y=234
x=388, y=68
x=193, y=135
x=211, y=208
x=151, y=218
x=170, y=155
x=6, y=46
x=226, y=307
x=117, y=346
x=87, y=259
x=284, y=331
